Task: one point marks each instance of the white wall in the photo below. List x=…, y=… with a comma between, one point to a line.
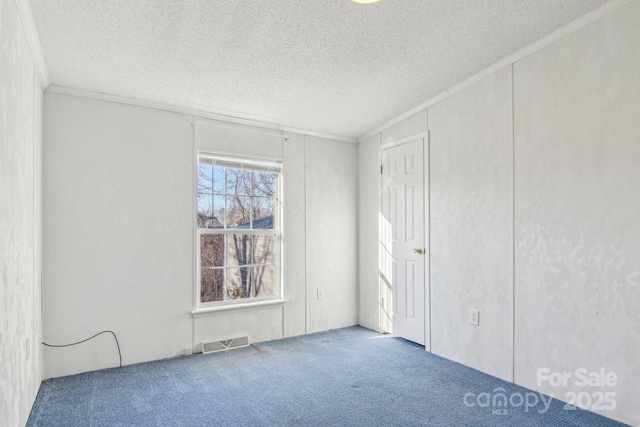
x=471, y=219
x=534, y=215
x=118, y=246
x=20, y=221
x=119, y=237
x=407, y=128
x=295, y=235
x=370, y=313
x=331, y=210
x=577, y=206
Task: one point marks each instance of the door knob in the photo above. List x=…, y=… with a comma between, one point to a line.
x=418, y=250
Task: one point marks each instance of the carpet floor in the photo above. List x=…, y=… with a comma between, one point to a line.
x=344, y=377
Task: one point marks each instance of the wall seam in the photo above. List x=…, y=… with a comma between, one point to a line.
x=306, y=282
x=428, y=213
x=513, y=231
x=194, y=232
x=283, y=235
x=358, y=284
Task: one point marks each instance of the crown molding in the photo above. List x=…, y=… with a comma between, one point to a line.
x=570, y=28
x=205, y=114
x=30, y=31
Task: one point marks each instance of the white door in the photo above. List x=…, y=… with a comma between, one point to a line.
x=403, y=250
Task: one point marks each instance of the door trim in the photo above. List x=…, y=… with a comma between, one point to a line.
x=426, y=177
x=426, y=188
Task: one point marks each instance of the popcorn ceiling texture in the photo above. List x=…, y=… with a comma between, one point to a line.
x=325, y=65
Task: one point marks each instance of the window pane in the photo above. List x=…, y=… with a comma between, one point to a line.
x=264, y=184
x=264, y=281
x=211, y=284
x=205, y=211
x=263, y=212
x=238, y=181
x=238, y=212
x=205, y=173
x=238, y=249
x=239, y=283
x=218, y=179
x=212, y=250
x=264, y=249
x=218, y=212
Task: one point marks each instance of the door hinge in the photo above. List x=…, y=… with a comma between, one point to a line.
x=380, y=169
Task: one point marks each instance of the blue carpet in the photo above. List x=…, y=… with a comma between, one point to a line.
x=344, y=377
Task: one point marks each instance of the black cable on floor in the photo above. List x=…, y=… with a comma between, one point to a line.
x=80, y=342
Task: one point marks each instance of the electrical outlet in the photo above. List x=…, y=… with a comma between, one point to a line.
x=188, y=351
x=320, y=293
x=474, y=317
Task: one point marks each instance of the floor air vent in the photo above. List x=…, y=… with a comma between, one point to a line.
x=213, y=346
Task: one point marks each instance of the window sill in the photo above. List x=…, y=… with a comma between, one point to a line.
x=207, y=311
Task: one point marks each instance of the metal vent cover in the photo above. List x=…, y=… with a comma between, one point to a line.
x=214, y=346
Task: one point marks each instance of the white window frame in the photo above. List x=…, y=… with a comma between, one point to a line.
x=260, y=164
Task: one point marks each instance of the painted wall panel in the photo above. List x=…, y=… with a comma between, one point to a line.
x=577, y=246
x=331, y=237
x=118, y=232
x=238, y=139
x=264, y=324
x=408, y=127
x=471, y=225
x=20, y=213
x=294, y=235
x=370, y=312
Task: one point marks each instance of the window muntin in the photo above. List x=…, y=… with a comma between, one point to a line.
x=239, y=239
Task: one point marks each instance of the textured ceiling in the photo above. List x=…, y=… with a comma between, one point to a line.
x=329, y=66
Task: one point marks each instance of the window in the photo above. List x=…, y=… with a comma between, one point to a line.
x=238, y=221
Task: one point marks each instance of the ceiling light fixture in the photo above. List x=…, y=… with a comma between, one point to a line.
x=365, y=1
